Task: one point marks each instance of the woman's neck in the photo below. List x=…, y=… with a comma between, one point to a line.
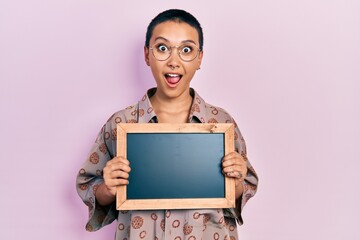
x=172, y=110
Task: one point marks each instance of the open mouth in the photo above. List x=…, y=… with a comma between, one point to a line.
x=172, y=79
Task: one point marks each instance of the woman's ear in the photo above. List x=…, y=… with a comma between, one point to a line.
x=201, y=54
x=146, y=55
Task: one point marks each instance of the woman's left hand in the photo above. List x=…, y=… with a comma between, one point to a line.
x=234, y=165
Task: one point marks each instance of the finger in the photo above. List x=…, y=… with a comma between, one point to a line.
x=229, y=162
x=233, y=161
x=119, y=174
x=119, y=160
x=231, y=155
x=116, y=182
x=235, y=174
x=235, y=168
x=119, y=164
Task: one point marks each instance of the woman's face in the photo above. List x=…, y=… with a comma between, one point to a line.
x=173, y=75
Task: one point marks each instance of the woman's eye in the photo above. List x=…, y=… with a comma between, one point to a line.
x=186, y=49
x=162, y=48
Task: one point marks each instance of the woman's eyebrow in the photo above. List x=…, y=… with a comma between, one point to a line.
x=190, y=41
x=161, y=38
x=164, y=39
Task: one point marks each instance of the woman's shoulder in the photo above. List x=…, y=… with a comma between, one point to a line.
x=211, y=113
x=126, y=115
x=217, y=114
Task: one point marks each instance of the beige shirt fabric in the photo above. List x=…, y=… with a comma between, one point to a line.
x=194, y=224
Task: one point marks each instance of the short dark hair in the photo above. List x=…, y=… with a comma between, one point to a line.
x=176, y=15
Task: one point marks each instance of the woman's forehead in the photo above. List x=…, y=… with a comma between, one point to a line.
x=174, y=32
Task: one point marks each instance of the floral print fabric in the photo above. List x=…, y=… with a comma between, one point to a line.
x=160, y=224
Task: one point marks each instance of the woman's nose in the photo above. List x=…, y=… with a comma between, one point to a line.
x=174, y=59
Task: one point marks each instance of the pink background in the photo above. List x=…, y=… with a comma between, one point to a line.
x=288, y=71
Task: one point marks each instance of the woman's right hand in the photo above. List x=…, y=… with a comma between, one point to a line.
x=115, y=173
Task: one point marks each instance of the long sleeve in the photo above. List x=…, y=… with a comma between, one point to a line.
x=90, y=177
x=251, y=181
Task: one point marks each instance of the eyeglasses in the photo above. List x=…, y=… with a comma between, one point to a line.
x=187, y=52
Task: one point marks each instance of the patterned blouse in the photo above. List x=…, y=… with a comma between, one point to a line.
x=160, y=224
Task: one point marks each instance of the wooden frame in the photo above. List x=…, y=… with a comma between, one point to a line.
x=228, y=201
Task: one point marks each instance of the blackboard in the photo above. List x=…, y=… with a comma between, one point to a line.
x=175, y=166
x=183, y=166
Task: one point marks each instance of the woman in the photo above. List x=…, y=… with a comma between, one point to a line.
x=174, y=51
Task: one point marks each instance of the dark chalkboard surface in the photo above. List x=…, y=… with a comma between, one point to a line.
x=185, y=165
